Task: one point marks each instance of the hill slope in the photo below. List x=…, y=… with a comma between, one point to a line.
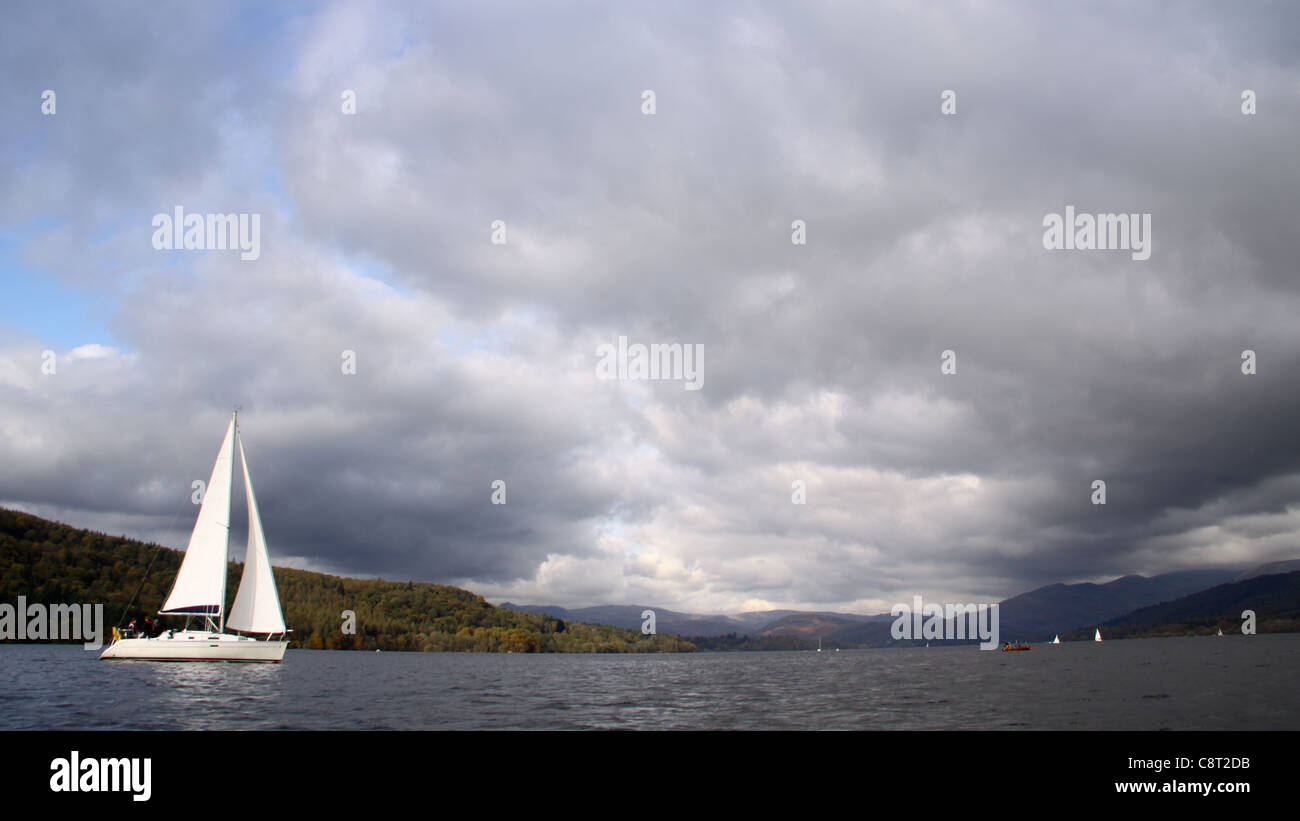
x=694, y=625
x=629, y=617
x=49, y=563
x=1275, y=598
x=1289, y=566
x=1058, y=608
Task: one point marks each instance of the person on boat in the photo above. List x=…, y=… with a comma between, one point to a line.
x=148, y=627
x=131, y=628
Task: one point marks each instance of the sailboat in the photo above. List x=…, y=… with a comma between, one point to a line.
x=819, y=644
x=1055, y=639
x=1220, y=632
x=199, y=591
x=1097, y=635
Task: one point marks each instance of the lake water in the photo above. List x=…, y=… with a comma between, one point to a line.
x=1230, y=683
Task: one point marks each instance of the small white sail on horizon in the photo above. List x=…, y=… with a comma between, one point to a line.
x=1097, y=635
x=1056, y=639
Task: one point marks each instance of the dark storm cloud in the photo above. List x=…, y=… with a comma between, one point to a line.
x=476, y=361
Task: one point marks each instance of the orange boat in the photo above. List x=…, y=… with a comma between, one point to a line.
x=1014, y=648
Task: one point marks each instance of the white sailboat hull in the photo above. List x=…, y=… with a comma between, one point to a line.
x=195, y=645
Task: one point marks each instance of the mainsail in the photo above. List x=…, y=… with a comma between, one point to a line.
x=257, y=605
x=200, y=588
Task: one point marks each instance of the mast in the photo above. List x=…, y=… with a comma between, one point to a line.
x=234, y=424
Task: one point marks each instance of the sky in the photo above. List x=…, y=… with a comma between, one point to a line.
x=395, y=350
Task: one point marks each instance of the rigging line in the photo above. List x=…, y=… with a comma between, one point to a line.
x=143, y=578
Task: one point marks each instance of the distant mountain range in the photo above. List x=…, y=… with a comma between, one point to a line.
x=628, y=617
x=1273, y=597
x=1060, y=607
x=1170, y=598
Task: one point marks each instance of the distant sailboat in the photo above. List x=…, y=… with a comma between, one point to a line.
x=1056, y=639
x=1097, y=635
x=819, y=644
x=1220, y=632
x=200, y=587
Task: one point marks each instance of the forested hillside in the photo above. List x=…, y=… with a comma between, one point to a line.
x=1274, y=599
x=48, y=562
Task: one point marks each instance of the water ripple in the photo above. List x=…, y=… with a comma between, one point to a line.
x=1138, y=684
